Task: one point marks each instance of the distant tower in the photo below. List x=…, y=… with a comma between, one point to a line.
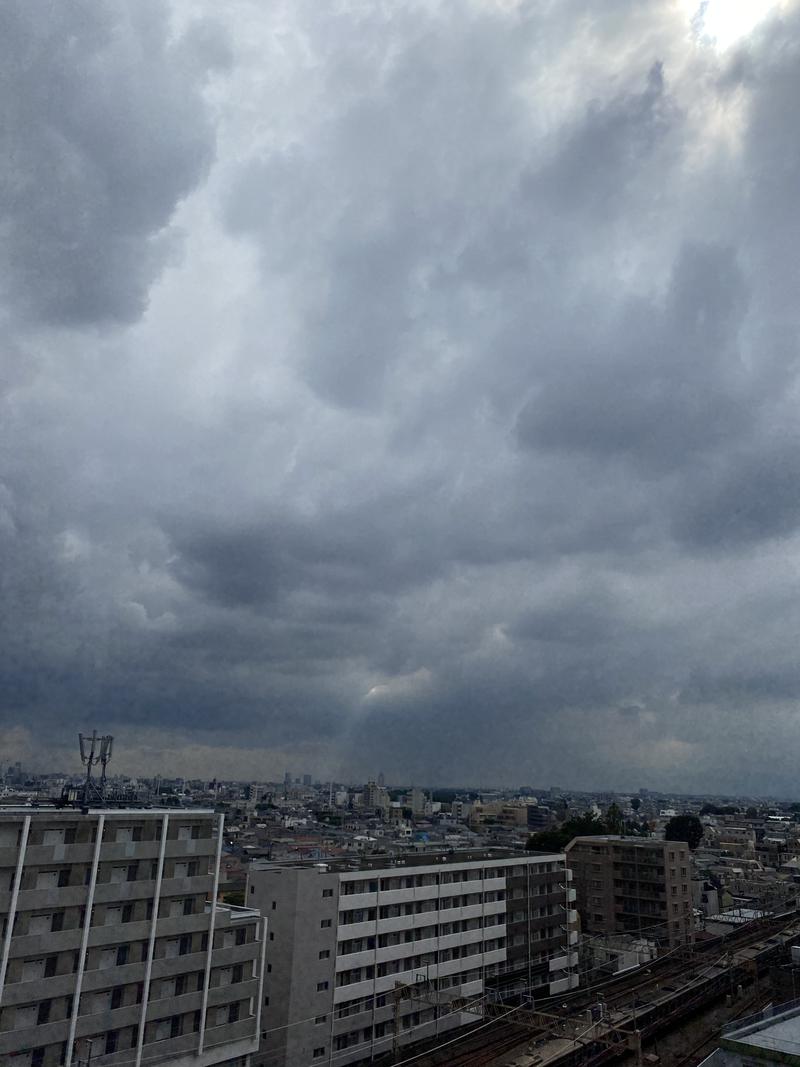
x=381, y=780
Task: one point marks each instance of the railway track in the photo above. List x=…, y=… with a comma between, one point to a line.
x=649, y=1000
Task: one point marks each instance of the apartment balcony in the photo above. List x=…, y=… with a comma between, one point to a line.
x=495, y=907
x=368, y=929
x=351, y=901
x=561, y=963
x=468, y=911
x=225, y=994
x=494, y=883
x=469, y=937
x=224, y=1043
x=563, y=984
x=45, y=944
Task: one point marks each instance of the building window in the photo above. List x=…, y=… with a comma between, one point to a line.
x=321, y=986
x=266, y=1002
x=327, y=892
x=112, y=1039
x=37, y=1057
x=274, y=905
x=325, y=924
x=241, y=935
x=116, y=997
x=233, y=1013
x=57, y=921
x=320, y=1019
x=63, y=877
x=319, y=1052
x=325, y=954
x=122, y=955
x=43, y=1014
x=271, y=935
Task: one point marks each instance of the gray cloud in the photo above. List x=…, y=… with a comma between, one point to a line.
x=105, y=131
x=408, y=388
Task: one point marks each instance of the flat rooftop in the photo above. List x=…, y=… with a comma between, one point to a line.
x=429, y=858
x=46, y=812
x=778, y=1033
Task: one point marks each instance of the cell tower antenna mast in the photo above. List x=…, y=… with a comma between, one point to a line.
x=106, y=747
x=95, y=750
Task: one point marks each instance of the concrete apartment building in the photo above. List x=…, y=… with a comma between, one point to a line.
x=348, y=937
x=114, y=949
x=638, y=886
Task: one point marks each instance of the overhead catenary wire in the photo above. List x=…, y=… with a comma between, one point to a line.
x=467, y=1008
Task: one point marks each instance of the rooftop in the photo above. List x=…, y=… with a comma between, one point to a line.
x=778, y=1032
x=428, y=858
x=50, y=813
x=641, y=842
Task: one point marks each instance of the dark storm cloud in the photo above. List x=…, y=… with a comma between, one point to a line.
x=443, y=414
x=104, y=132
x=667, y=382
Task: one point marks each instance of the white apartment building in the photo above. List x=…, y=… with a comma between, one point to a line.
x=371, y=952
x=114, y=950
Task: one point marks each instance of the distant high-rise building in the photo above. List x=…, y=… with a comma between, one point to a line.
x=306, y=780
x=114, y=947
x=349, y=936
x=287, y=778
x=381, y=779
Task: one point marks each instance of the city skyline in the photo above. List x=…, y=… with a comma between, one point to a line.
x=407, y=386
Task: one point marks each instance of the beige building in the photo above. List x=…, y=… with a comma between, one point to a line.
x=638, y=886
x=114, y=948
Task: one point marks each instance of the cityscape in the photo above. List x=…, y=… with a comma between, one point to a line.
x=399, y=533
x=254, y=924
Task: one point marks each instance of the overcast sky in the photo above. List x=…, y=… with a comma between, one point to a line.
x=403, y=385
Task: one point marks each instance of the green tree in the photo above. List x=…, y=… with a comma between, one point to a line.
x=686, y=828
x=577, y=826
x=636, y=803
x=614, y=820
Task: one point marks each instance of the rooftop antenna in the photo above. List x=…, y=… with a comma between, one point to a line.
x=106, y=746
x=95, y=750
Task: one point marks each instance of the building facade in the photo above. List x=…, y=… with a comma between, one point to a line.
x=369, y=954
x=631, y=885
x=114, y=949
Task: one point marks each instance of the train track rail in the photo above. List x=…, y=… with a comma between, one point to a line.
x=649, y=1000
